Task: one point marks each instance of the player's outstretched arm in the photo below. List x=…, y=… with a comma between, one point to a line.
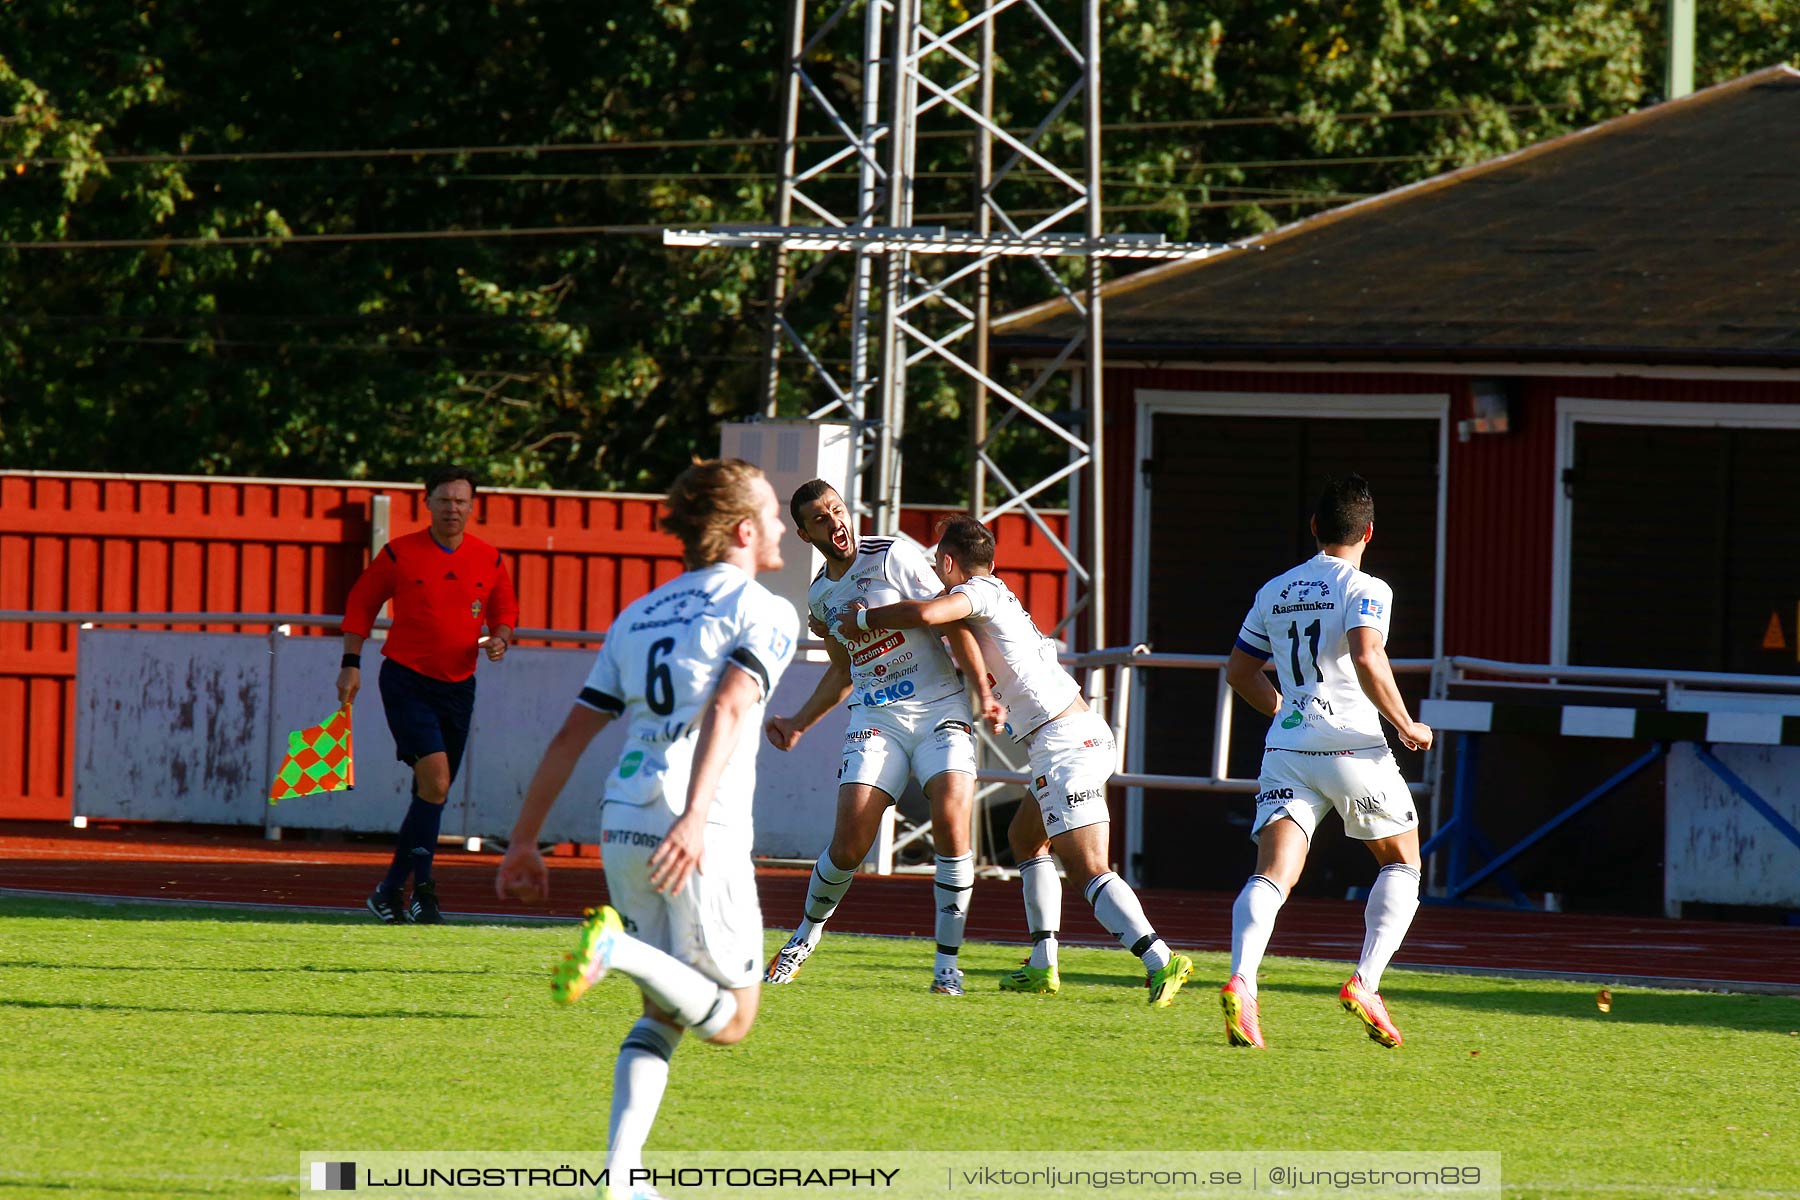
x=1376, y=675
x=522, y=872
x=967, y=653
x=907, y=614
x=1244, y=672
x=834, y=686
x=721, y=722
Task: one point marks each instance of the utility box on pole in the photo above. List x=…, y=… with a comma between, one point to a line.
x=790, y=453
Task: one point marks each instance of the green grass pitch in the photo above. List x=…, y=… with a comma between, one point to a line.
x=170, y=1052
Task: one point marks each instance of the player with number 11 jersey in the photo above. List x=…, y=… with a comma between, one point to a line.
x=1299, y=623
x=1323, y=625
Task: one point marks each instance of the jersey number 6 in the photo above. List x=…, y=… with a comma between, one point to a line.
x=659, y=685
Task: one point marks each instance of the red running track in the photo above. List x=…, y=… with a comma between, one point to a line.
x=238, y=868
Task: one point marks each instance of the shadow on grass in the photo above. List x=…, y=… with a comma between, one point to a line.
x=378, y=1015
x=1750, y=1012
x=162, y=1187
x=95, y=908
x=850, y=953
x=1085, y=979
x=308, y=968
x=101, y=908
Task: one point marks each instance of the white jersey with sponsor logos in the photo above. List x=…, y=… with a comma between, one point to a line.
x=662, y=659
x=1301, y=620
x=1021, y=662
x=887, y=666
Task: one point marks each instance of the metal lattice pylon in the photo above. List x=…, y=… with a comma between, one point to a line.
x=920, y=290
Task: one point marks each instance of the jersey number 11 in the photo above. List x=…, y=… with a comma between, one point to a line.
x=1312, y=637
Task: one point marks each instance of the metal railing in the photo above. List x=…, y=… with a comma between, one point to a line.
x=1125, y=662
x=1690, y=691
x=1108, y=676
x=1459, y=668
x=273, y=620
x=1141, y=657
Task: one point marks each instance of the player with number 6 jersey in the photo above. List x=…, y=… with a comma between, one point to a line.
x=690, y=668
x=1323, y=626
x=657, y=668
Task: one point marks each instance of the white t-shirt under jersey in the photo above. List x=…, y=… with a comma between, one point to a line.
x=1301, y=620
x=887, y=666
x=662, y=659
x=1021, y=662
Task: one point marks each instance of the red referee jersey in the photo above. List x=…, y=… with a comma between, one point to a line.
x=441, y=598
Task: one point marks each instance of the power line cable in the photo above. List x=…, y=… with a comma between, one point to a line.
x=846, y=177
x=1273, y=196
x=755, y=140
x=306, y=239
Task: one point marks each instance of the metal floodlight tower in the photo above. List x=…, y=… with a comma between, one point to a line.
x=934, y=282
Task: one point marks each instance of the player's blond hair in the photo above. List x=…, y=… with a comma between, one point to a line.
x=705, y=504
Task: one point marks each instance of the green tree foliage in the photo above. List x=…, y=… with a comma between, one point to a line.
x=584, y=360
x=248, y=307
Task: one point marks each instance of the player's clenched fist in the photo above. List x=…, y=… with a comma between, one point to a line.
x=1416, y=736
x=994, y=713
x=523, y=875
x=783, y=732
x=848, y=627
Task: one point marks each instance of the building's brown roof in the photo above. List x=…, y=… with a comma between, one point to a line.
x=1670, y=235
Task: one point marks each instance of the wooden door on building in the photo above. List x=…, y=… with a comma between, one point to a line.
x=1230, y=497
x=1684, y=548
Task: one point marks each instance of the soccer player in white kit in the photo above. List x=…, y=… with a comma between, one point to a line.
x=1324, y=626
x=1071, y=755
x=690, y=667
x=909, y=717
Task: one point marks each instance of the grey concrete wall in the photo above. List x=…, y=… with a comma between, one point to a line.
x=191, y=727
x=1720, y=850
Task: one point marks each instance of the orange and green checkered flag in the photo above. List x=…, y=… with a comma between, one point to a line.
x=320, y=759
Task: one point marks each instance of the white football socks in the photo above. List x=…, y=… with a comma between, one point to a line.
x=684, y=993
x=1392, y=902
x=640, y=1076
x=1252, y=924
x=1116, y=907
x=955, y=880
x=1043, y=908
x=823, y=893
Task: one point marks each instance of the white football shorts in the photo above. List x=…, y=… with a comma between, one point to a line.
x=1070, y=761
x=885, y=745
x=714, y=925
x=1365, y=786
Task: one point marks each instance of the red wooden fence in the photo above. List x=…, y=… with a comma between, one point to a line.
x=77, y=543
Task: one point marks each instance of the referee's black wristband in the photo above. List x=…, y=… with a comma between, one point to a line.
x=351, y=660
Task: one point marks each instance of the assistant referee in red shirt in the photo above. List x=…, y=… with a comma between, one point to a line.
x=445, y=584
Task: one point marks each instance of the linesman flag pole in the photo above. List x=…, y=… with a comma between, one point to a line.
x=320, y=759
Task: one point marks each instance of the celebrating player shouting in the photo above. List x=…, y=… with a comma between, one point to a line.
x=910, y=717
x=690, y=666
x=1325, y=624
x=1071, y=758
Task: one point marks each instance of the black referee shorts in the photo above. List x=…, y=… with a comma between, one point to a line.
x=426, y=715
